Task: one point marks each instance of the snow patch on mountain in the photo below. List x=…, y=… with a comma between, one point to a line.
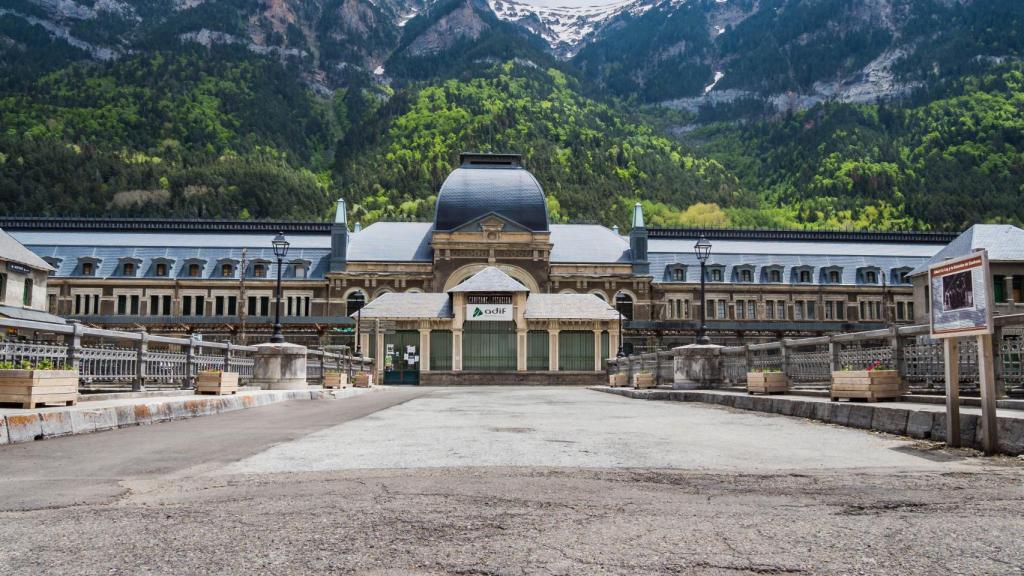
x=563, y=27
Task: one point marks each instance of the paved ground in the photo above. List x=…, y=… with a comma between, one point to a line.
x=504, y=481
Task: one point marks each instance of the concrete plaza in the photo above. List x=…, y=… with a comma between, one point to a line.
x=504, y=481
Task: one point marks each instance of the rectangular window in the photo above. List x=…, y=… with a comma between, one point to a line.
x=769, y=309
x=901, y=311
x=166, y=300
x=26, y=296
x=3, y=288
x=721, y=309
x=186, y=306
x=829, y=307
x=218, y=306
x=781, y=309
x=910, y=311
x=232, y=305
x=751, y=309
x=812, y=312
x=264, y=305
x=841, y=310
x=200, y=305
x=741, y=310
x=251, y=309
x=154, y=305
x=122, y=304
x=134, y=309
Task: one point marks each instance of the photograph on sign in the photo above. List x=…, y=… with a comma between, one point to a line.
x=961, y=297
x=489, y=312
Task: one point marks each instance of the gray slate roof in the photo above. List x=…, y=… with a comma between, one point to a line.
x=588, y=244
x=850, y=258
x=30, y=315
x=391, y=242
x=408, y=305
x=490, y=279
x=569, y=307
x=13, y=251
x=472, y=191
x=1005, y=243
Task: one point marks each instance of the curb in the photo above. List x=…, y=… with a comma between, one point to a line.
x=82, y=419
x=918, y=424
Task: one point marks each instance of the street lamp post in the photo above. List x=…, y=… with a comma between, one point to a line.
x=703, y=250
x=621, y=353
x=280, y=250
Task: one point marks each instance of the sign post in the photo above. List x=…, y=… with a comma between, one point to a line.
x=961, y=306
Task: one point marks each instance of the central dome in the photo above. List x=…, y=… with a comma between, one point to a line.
x=486, y=183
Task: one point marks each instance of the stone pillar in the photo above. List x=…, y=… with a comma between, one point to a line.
x=697, y=366
x=378, y=354
x=598, y=360
x=613, y=343
x=456, y=350
x=553, y=349
x=280, y=367
x=521, y=349
x=424, y=349
x=141, y=355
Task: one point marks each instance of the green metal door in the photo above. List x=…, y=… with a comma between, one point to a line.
x=489, y=346
x=441, y=350
x=537, y=350
x=576, y=350
x=401, y=357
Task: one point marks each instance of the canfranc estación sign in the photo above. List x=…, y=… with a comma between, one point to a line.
x=489, y=312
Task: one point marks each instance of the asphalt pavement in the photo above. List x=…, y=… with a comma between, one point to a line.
x=487, y=481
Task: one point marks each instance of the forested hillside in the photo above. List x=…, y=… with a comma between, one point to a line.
x=868, y=114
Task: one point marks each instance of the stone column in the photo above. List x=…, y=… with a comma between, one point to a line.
x=697, y=366
x=598, y=360
x=280, y=366
x=424, y=350
x=553, y=349
x=613, y=342
x=378, y=355
x=456, y=350
x=522, y=347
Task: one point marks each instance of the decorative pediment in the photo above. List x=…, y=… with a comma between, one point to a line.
x=492, y=225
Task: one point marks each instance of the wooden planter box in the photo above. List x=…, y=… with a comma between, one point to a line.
x=767, y=383
x=362, y=380
x=618, y=380
x=217, y=383
x=32, y=387
x=643, y=380
x=335, y=380
x=871, y=385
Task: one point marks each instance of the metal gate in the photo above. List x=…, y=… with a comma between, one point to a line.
x=537, y=349
x=401, y=357
x=576, y=350
x=489, y=346
x=440, y=350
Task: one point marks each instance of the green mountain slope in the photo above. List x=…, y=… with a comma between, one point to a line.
x=947, y=163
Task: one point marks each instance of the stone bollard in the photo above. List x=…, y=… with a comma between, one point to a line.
x=697, y=366
x=280, y=367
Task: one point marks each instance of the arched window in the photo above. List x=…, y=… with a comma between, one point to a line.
x=775, y=276
x=624, y=304
x=161, y=269
x=355, y=302
x=871, y=277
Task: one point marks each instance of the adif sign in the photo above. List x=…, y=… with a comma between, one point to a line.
x=489, y=312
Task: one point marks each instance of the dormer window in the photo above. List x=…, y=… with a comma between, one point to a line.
x=259, y=270
x=775, y=276
x=834, y=277
x=194, y=270
x=805, y=277
x=160, y=269
x=128, y=269
x=88, y=269
x=299, y=270
x=716, y=274
x=901, y=275
x=871, y=277
x=678, y=274
x=746, y=276
x=227, y=270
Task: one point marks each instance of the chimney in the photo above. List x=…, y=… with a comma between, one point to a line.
x=638, y=242
x=339, y=238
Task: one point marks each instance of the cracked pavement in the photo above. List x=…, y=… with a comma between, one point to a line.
x=504, y=481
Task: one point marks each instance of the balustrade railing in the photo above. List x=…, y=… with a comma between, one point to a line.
x=110, y=357
x=809, y=362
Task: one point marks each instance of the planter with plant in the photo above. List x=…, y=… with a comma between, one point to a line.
x=643, y=379
x=33, y=383
x=217, y=382
x=767, y=381
x=876, y=382
x=335, y=380
x=363, y=380
x=618, y=380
